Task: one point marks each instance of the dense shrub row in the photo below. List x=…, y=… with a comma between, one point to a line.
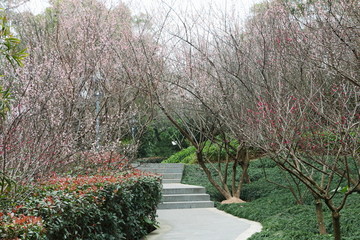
x=211, y=152
x=187, y=155
x=276, y=208
x=86, y=207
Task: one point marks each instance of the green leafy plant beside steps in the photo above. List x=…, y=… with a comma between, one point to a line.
x=86, y=207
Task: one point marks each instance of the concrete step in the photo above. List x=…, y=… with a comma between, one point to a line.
x=175, y=194
x=185, y=197
x=171, y=175
x=179, y=205
x=171, y=180
x=159, y=165
x=162, y=170
x=174, y=188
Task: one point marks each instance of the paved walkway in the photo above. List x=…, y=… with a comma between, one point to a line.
x=202, y=224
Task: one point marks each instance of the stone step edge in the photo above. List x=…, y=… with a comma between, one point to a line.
x=168, y=180
x=154, y=165
x=186, y=194
x=187, y=202
x=183, y=190
x=162, y=171
x=192, y=204
x=185, y=198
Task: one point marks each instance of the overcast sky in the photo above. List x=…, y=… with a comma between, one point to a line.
x=241, y=6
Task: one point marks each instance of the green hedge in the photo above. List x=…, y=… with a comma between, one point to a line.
x=187, y=155
x=210, y=151
x=95, y=207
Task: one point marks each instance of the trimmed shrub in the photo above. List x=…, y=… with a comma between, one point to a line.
x=89, y=207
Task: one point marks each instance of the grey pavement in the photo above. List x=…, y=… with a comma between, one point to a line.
x=202, y=224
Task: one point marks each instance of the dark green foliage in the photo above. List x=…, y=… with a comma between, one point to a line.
x=158, y=141
x=211, y=152
x=127, y=211
x=187, y=155
x=275, y=207
x=119, y=210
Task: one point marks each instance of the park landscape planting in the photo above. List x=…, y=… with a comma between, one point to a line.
x=267, y=106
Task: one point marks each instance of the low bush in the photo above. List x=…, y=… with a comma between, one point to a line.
x=86, y=207
x=187, y=155
x=211, y=152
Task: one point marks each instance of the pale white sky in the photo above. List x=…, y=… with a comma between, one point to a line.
x=241, y=6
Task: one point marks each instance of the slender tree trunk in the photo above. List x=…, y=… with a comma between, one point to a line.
x=336, y=225
x=244, y=161
x=243, y=157
x=245, y=166
x=242, y=180
x=234, y=173
x=320, y=215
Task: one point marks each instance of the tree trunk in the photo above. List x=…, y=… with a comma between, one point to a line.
x=244, y=161
x=201, y=162
x=245, y=166
x=320, y=215
x=336, y=225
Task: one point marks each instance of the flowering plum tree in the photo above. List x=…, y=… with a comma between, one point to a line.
x=192, y=90
x=78, y=90
x=306, y=113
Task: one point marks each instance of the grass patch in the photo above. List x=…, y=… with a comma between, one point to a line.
x=275, y=207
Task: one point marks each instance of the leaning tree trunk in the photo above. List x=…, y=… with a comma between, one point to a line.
x=224, y=191
x=243, y=160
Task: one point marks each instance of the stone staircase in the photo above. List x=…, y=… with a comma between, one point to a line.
x=175, y=194
x=171, y=172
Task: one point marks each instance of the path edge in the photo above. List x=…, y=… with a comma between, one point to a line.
x=255, y=227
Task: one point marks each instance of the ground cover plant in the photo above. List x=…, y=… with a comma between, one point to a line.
x=276, y=208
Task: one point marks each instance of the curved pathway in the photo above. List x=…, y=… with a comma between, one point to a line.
x=190, y=217
x=202, y=224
